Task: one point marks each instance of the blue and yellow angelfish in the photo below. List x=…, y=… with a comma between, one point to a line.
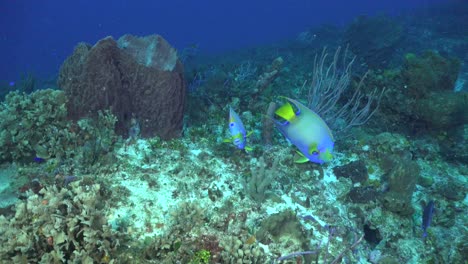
x=306, y=130
x=237, y=130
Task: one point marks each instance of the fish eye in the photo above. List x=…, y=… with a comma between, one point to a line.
x=231, y=124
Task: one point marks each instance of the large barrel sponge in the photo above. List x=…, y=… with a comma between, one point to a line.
x=134, y=77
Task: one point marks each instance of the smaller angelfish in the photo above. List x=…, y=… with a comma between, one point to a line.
x=238, y=133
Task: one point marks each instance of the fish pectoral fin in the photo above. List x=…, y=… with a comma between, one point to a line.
x=326, y=156
x=313, y=148
x=237, y=136
x=301, y=158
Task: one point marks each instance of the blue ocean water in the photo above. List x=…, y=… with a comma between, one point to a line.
x=38, y=36
x=234, y=132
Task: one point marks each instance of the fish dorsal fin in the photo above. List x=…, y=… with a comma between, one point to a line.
x=232, y=114
x=286, y=112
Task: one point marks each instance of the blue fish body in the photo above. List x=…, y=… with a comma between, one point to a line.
x=307, y=131
x=237, y=130
x=427, y=217
x=39, y=160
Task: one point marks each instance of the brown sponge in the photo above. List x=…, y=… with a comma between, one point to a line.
x=135, y=77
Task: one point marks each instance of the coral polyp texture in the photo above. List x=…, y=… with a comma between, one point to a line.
x=134, y=77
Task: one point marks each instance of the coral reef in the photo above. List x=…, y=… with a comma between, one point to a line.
x=132, y=77
x=8, y=196
x=236, y=251
x=443, y=110
x=355, y=170
x=36, y=126
x=266, y=78
x=256, y=186
x=374, y=39
x=420, y=95
x=364, y=194
x=282, y=227
x=59, y=225
x=72, y=191
x=429, y=73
